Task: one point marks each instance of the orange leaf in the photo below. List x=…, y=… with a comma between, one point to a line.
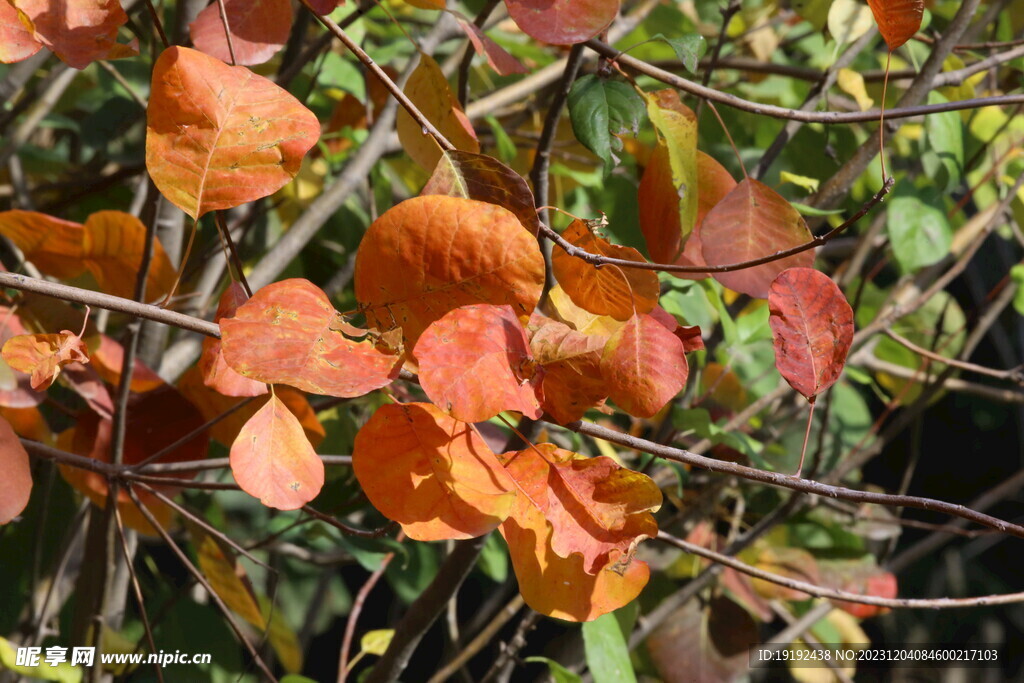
x=428, y=89
x=217, y=374
x=480, y=177
x=259, y=28
x=898, y=20
x=226, y=575
x=108, y=360
x=78, y=31
x=644, y=366
x=500, y=60
x=219, y=136
x=562, y=308
x=289, y=333
x=563, y=22
x=16, y=482
x=430, y=473
x=751, y=222
x=52, y=244
x=608, y=290
x=43, y=355
x=16, y=41
x=16, y=390
x=571, y=381
x=28, y=423
x=430, y=255
x=475, y=363
x=427, y=4
x=273, y=460
x=812, y=325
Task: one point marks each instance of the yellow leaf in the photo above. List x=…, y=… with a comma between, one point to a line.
x=852, y=83
x=376, y=642
x=809, y=184
x=848, y=20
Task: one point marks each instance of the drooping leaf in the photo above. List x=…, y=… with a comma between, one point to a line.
x=289, y=333
x=677, y=132
x=751, y=222
x=689, y=49
x=218, y=136
x=485, y=179
x=475, y=363
x=273, y=460
x=500, y=60
x=616, y=291
x=428, y=89
x=430, y=255
x=898, y=20
x=16, y=41
x=16, y=482
x=259, y=28
x=44, y=355
x=78, y=31
x=600, y=111
x=812, y=325
x=606, y=651
x=431, y=473
x=644, y=366
x=217, y=374
x=571, y=381
x=563, y=22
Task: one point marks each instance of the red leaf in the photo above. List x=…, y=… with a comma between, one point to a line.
x=16, y=41
x=259, y=28
x=563, y=22
x=898, y=20
x=43, y=355
x=217, y=374
x=78, y=31
x=812, y=324
x=15, y=388
x=430, y=473
x=751, y=222
x=16, y=482
x=273, y=460
x=570, y=379
x=289, y=333
x=501, y=61
x=644, y=366
x=475, y=363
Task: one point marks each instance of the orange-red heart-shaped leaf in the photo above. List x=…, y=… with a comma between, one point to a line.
x=273, y=460
x=570, y=375
x=217, y=374
x=480, y=177
x=430, y=473
x=428, y=89
x=644, y=366
x=78, y=31
x=16, y=41
x=898, y=20
x=812, y=324
x=259, y=28
x=619, y=292
x=563, y=22
x=430, y=255
x=16, y=482
x=751, y=222
x=475, y=363
x=289, y=333
x=43, y=355
x=218, y=136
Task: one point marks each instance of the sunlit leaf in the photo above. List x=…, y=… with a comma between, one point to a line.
x=600, y=111
x=563, y=22
x=44, y=355
x=217, y=374
x=16, y=482
x=677, y=131
x=571, y=381
x=898, y=20
x=16, y=41
x=259, y=28
x=644, y=366
x=78, y=31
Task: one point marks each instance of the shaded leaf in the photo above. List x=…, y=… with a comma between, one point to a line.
x=751, y=222
x=15, y=387
x=218, y=136
x=644, y=366
x=78, y=31
x=16, y=41
x=862, y=576
x=689, y=49
x=430, y=473
x=709, y=643
x=619, y=292
x=485, y=179
x=259, y=28
x=16, y=482
x=43, y=355
x=601, y=110
x=606, y=651
x=570, y=381
x=500, y=60
x=376, y=642
x=563, y=22
x=848, y=20
x=217, y=374
x=227, y=577
x=898, y=20
x=812, y=325
x=289, y=333
x=563, y=309
x=108, y=359
x=475, y=363
x=428, y=89
x=430, y=255
x=677, y=133
x=793, y=563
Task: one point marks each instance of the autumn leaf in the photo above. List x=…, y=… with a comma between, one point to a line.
x=16, y=390
x=16, y=41
x=430, y=255
x=259, y=28
x=570, y=375
x=812, y=325
x=562, y=308
x=677, y=186
x=217, y=374
x=218, y=136
x=16, y=482
x=227, y=577
x=898, y=20
x=500, y=60
x=475, y=363
x=78, y=31
x=616, y=291
x=753, y=221
x=563, y=22
x=644, y=366
x=271, y=459
x=43, y=355
x=430, y=473
x=289, y=333
x=428, y=90
x=108, y=360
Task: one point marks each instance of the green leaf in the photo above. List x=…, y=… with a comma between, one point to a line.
x=943, y=146
x=1017, y=274
x=607, y=652
x=919, y=232
x=377, y=642
x=602, y=109
x=807, y=210
x=63, y=672
x=506, y=148
x=559, y=674
x=494, y=559
x=689, y=49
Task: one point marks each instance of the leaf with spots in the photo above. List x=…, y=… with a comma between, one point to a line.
x=289, y=333
x=259, y=28
x=78, y=31
x=644, y=366
x=218, y=136
x=563, y=22
x=432, y=474
x=44, y=355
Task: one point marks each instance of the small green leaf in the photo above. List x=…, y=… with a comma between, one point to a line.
x=943, y=146
x=809, y=184
x=919, y=232
x=376, y=642
x=607, y=652
x=807, y=210
x=1017, y=274
x=689, y=49
x=494, y=559
x=600, y=110
x=506, y=148
x=559, y=674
